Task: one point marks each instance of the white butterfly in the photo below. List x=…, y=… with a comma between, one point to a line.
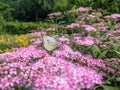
x=50, y=43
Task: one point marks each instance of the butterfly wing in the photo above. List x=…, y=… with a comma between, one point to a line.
x=49, y=39
x=50, y=43
x=50, y=46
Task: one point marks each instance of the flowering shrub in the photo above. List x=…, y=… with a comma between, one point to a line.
x=113, y=16
x=73, y=25
x=82, y=9
x=87, y=58
x=87, y=41
x=34, y=67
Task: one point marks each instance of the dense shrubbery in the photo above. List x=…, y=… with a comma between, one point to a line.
x=2, y=21
x=6, y=11
x=88, y=55
x=112, y=6
x=21, y=27
x=35, y=10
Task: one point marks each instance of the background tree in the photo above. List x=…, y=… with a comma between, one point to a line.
x=5, y=11
x=30, y=10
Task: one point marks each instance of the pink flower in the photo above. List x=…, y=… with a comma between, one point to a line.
x=82, y=9
x=111, y=69
x=50, y=29
x=89, y=28
x=38, y=41
x=72, y=25
x=87, y=41
x=13, y=71
x=34, y=67
x=64, y=40
x=113, y=16
x=118, y=79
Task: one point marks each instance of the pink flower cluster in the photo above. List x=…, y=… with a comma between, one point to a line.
x=34, y=67
x=101, y=26
x=23, y=54
x=66, y=52
x=64, y=40
x=113, y=16
x=89, y=28
x=37, y=41
x=87, y=41
x=82, y=9
x=72, y=25
x=50, y=29
x=114, y=34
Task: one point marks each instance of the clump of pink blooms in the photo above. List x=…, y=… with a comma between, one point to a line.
x=66, y=52
x=113, y=16
x=36, y=68
x=64, y=40
x=37, y=41
x=83, y=9
x=117, y=26
x=50, y=29
x=66, y=68
x=89, y=28
x=114, y=34
x=101, y=26
x=72, y=25
x=87, y=41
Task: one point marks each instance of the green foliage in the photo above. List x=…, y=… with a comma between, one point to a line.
x=4, y=46
x=60, y=5
x=70, y=16
x=31, y=10
x=36, y=10
x=110, y=87
x=2, y=21
x=21, y=27
x=112, y=6
x=5, y=11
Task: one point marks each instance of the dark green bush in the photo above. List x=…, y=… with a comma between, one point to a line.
x=5, y=46
x=35, y=10
x=18, y=28
x=2, y=21
x=5, y=11
x=21, y=27
x=112, y=6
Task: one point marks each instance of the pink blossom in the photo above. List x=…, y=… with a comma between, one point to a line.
x=72, y=25
x=50, y=29
x=38, y=41
x=89, y=28
x=113, y=16
x=82, y=9
x=87, y=41
x=46, y=71
x=64, y=40
x=118, y=79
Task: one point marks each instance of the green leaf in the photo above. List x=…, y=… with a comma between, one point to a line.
x=116, y=52
x=110, y=87
x=103, y=54
x=96, y=48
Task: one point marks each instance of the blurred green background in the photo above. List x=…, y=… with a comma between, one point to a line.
x=16, y=13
